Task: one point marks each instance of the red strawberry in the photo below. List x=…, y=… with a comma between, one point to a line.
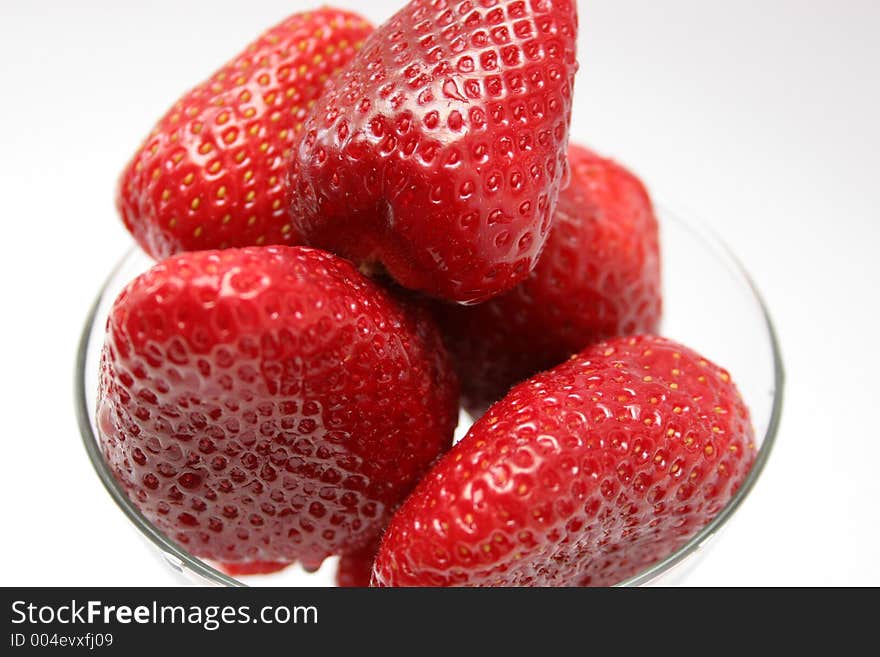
x=582, y=475
x=210, y=174
x=439, y=152
x=598, y=277
x=238, y=569
x=354, y=568
x=270, y=404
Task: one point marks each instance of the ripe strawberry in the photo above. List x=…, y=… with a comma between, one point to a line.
x=598, y=277
x=237, y=569
x=439, y=152
x=354, y=568
x=270, y=404
x=210, y=174
x=582, y=475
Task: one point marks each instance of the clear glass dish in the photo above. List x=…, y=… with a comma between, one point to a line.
x=710, y=304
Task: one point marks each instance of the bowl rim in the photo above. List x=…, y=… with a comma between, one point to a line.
x=713, y=241
x=700, y=230
x=90, y=441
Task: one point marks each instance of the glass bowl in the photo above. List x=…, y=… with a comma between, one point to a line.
x=710, y=305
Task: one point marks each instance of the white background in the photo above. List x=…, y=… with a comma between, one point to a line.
x=760, y=116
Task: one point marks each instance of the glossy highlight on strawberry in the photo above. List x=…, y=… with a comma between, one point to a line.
x=439, y=152
x=583, y=475
x=598, y=277
x=211, y=173
x=270, y=404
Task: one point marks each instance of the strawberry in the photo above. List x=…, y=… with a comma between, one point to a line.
x=238, y=569
x=583, y=475
x=211, y=173
x=354, y=568
x=270, y=404
x=439, y=152
x=598, y=277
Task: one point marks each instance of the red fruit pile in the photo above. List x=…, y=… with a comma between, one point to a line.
x=268, y=405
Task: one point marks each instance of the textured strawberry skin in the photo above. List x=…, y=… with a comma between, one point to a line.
x=270, y=404
x=211, y=173
x=598, y=277
x=439, y=152
x=582, y=475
